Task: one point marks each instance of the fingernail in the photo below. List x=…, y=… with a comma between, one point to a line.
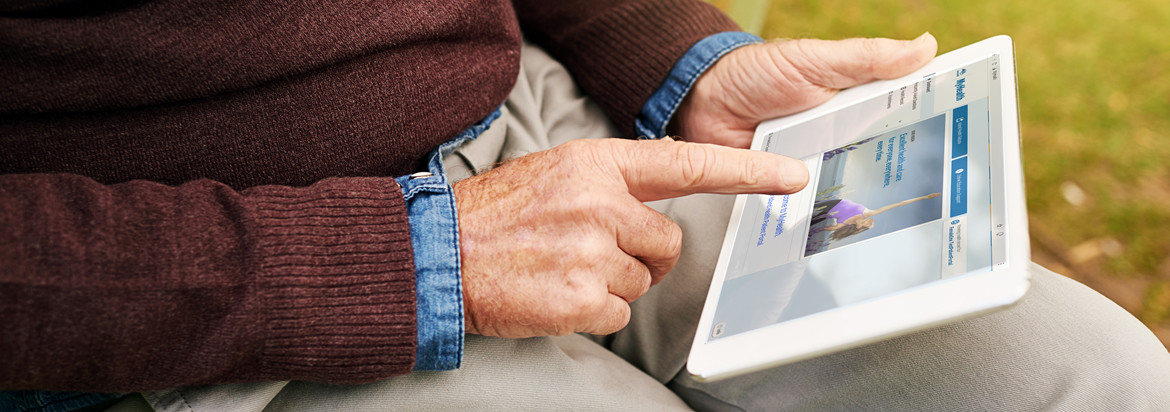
x=921, y=39
x=794, y=175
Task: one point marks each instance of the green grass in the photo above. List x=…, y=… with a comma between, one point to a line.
x=1095, y=101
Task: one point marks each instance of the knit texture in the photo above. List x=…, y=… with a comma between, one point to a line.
x=138, y=285
x=196, y=194
x=624, y=50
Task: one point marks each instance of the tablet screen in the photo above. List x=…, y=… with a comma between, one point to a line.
x=900, y=195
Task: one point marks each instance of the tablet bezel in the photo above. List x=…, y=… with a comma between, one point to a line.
x=892, y=315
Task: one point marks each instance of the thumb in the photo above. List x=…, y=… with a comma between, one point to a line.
x=846, y=63
x=665, y=169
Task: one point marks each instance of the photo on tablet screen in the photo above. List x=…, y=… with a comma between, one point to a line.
x=878, y=185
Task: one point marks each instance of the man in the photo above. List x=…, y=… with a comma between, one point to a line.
x=252, y=193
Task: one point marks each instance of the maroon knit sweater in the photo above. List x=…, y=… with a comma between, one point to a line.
x=200, y=192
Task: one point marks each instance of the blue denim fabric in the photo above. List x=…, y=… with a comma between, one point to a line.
x=434, y=232
x=656, y=113
x=434, y=225
x=48, y=401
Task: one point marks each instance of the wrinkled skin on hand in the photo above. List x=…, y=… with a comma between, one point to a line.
x=559, y=241
x=763, y=81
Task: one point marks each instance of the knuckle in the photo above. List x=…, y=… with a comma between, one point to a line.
x=667, y=235
x=752, y=170
x=587, y=152
x=643, y=282
x=561, y=329
x=871, y=50
x=618, y=319
x=566, y=317
x=602, y=207
x=806, y=65
x=575, y=200
x=576, y=145
x=593, y=250
x=696, y=164
x=673, y=240
x=637, y=276
x=587, y=308
x=870, y=45
x=577, y=154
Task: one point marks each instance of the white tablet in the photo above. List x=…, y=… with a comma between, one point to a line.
x=913, y=217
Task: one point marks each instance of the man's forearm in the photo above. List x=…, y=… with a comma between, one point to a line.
x=151, y=286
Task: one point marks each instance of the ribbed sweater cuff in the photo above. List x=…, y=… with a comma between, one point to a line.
x=337, y=281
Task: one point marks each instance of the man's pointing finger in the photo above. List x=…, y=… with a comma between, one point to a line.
x=667, y=169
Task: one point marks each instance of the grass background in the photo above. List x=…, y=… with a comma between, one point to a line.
x=1095, y=101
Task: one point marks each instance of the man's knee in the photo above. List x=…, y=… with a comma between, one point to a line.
x=1077, y=338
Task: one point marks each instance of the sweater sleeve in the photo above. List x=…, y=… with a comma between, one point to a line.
x=620, y=51
x=139, y=285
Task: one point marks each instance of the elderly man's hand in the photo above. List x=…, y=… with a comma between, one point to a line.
x=762, y=81
x=559, y=241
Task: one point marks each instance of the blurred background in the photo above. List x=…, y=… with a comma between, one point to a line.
x=1095, y=102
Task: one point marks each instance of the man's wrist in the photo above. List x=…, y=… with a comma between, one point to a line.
x=656, y=114
x=434, y=230
x=434, y=235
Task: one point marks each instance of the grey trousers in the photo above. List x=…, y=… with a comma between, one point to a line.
x=1063, y=347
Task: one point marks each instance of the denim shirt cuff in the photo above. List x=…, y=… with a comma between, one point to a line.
x=434, y=235
x=656, y=113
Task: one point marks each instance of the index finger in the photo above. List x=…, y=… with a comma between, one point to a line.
x=666, y=169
